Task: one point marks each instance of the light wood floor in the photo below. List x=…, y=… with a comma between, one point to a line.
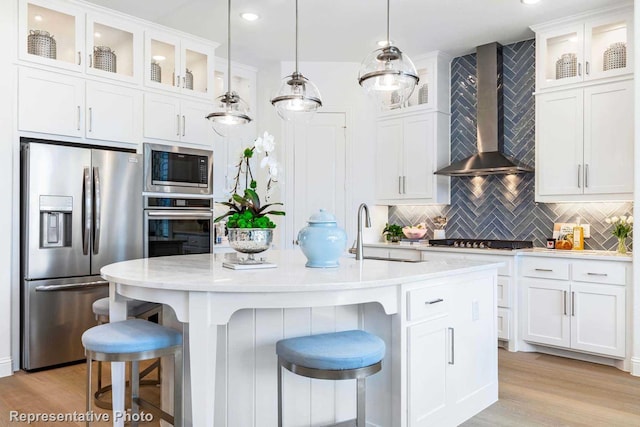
x=535, y=390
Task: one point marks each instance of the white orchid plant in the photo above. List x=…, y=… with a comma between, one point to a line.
x=246, y=211
x=622, y=225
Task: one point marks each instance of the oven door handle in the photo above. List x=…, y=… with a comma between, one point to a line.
x=179, y=214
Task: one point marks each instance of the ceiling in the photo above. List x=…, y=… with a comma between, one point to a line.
x=347, y=30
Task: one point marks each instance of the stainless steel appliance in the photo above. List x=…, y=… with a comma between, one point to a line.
x=170, y=169
x=81, y=209
x=482, y=243
x=177, y=226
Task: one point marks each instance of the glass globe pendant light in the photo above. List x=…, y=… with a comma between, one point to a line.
x=388, y=75
x=230, y=109
x=298, y=98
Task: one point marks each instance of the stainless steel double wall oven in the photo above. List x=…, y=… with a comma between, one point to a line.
x=175, y=223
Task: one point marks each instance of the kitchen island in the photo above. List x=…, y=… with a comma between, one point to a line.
x=437, y=319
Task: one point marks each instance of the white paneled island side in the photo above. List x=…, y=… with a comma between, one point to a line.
x=438, y=320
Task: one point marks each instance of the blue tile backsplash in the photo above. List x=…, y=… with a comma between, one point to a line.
x=503, y=206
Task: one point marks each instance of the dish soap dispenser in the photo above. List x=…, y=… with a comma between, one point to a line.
x=578, y=236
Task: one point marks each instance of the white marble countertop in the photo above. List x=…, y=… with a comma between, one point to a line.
x=542, y=252
x=204, y=272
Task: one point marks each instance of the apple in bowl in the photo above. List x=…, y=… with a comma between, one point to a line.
x=415, y=232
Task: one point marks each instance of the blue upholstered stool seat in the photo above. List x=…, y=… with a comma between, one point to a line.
x=129, y=336
x=135, y=308
x=334, y=351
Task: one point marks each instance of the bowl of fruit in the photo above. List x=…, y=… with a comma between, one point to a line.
x=415, y=232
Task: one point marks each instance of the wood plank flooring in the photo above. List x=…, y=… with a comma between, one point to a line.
x=535, y=390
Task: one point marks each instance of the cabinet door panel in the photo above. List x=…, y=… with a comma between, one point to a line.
x=608, y=138
x=388, y=160
x=545, y=312
x=559, y=133
x=113, y=113
x=50, y=103
x=162, y=117
x=195, y=128
x=429, y=357
x=418, y=161
x=598, y=319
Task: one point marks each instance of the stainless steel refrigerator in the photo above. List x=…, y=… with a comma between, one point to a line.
x=81, y=209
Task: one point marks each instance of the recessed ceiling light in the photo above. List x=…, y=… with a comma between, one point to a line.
x=97, y=35
x=158, y=58
x=250, y=16
x=529, y=1
x=37, y=18
x=383, y=43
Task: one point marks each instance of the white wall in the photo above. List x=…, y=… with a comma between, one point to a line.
x=8, y=275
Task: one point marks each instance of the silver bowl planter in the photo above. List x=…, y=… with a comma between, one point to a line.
x=250, y=240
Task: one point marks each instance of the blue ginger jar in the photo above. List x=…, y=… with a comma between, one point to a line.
x=322, y=241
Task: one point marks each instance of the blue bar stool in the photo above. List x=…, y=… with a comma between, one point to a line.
x=137, y=309
x=343, y=355
x=131, y=341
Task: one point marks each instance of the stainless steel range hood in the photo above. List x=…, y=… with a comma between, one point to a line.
x=490, y=159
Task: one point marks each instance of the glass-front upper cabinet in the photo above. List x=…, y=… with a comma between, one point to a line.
x=177, y=64
x=114, y=48
x=576, y=52
x=243, y=82
x=51, y=33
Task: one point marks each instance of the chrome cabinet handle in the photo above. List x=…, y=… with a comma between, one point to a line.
x=548, y=270
x=177, y=124
x=597, y=274
x=579, y=175
x=97, y=207
x=404, y=184
x=586, y=175
x=573, y=303
x=78, y=117
x=184, y=82
x=564, y=301
x=452, y=359
x=435, y=301
x=587, y=68
x=88, y=202
x=90, y=119
x=184, y=125
x=399, y=185
x=580, y=69
x=177, y=81
x=79, y=58
x=90, y=61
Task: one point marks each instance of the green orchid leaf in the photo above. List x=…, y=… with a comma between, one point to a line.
x=253, y=196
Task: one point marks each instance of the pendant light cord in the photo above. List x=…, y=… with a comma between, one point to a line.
x=388, y=36
x=229, y=48
x=296, y=36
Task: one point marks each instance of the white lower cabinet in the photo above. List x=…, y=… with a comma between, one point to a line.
x=174, y=119
x=570, y=313
x=451, y=353
x=57, y=104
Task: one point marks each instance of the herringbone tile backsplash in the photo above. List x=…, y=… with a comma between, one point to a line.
x=503, y=206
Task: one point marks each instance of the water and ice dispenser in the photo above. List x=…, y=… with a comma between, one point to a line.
x=55, y=221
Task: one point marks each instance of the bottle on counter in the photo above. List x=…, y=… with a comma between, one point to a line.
x=578, y=236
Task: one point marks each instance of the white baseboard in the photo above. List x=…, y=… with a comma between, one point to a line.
x=635, y=366
x=6, y=368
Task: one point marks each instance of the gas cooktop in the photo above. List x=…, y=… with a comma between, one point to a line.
x=482, y=243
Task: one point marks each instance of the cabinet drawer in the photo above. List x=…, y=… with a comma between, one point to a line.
x=427, y=302
x=504, y=323
x=545, y=268
x=504, y=292
x=613, y=273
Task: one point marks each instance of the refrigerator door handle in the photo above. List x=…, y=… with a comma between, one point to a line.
x=86, y=229
x=97, y=207
x=71, y=286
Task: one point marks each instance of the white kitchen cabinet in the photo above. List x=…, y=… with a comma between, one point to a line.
x=62, y=20
x=186, y=66
x=587, y=38
x=584, y=143
x=586, y=312
x=175, y=119
x=409, y=149
x=58, y=104
x=113, y=113
x=109, y=37
x=450, y=352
